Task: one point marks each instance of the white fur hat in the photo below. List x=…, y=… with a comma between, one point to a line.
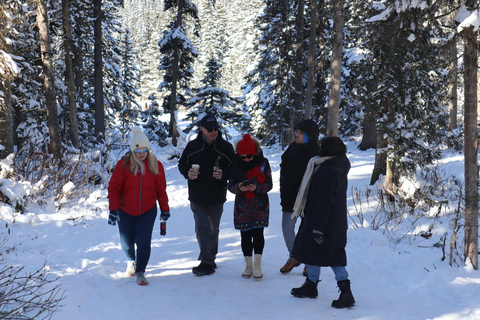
x=139, y=139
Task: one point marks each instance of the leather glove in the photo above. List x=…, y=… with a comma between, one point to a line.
x=318, y=236
x=164, y=215
x=113, y=217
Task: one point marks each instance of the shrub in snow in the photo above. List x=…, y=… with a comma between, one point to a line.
x=427, y=207
x=35, y=295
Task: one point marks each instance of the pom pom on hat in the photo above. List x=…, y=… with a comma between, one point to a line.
x=138, y=139
x=246, y=145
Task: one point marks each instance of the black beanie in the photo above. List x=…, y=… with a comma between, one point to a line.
x=311, y=128
x=332, y=146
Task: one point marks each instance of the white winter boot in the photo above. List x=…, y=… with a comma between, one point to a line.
x=248, y=267
x=130, y=268
x=257, y=268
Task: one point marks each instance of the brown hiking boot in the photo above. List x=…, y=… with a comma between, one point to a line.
x=289, y=265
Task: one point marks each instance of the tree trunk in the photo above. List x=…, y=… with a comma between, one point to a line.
x=369, y=137
x=72, y=105
x=311, y=59
x=380, y=166
x=175, y=71
x=299, y=63
x=6, y=119
x=78, y=61
x=55, y=145
x=471, y=147
x=452, y=85
x=336, y=71
x=98, y=62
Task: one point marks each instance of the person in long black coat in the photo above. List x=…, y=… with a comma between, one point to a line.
x=322, y=236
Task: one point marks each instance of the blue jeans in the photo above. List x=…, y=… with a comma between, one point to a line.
x=313, y=273
x=207, y=227
x=137, y=230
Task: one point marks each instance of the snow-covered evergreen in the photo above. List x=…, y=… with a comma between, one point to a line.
x=211, y=99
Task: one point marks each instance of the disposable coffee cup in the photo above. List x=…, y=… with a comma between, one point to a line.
x=196, y=168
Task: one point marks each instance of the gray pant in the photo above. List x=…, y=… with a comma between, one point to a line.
x=207, y=228
x=288, y=228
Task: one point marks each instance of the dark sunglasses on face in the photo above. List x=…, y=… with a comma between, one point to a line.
x=213, y=129
x=141, y=151
x=249, y=156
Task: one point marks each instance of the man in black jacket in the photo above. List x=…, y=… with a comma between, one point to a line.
x=292, y=167
x=207, y=187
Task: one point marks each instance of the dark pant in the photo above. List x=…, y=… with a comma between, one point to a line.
x=207, y=228
x=137, y=230
x=252, y=241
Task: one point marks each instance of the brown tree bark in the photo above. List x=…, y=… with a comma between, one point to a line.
x=380, y=166
x=336, y=70
x=78, y=61
x=452, y=85
x=98, y=72
x=69, y=76
x=6, y=119
x=299, y=63
x=311, y=59
x=471, y=144
x=369, y=126
x=173, y=95
x=55, y=145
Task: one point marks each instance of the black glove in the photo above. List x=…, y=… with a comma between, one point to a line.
x=113, y=217
x=318, y=236
x=164, y=215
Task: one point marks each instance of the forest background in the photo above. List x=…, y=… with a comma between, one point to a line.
x=75, y=76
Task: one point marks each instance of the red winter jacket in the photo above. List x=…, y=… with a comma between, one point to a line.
x=136, y=194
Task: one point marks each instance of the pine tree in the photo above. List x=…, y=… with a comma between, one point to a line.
x=211, y=99
x=270, y=88
x=241, y=55
x=178, y=56
x=155, y=129
x=27, y=95
x=8, y=71
x=406, y=73
x=82, y=44
x=112, y=53
x=128, y=89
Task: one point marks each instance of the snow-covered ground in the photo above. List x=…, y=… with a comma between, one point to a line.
x=402, y=280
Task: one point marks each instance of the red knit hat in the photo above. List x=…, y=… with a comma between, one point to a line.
x=246, y=145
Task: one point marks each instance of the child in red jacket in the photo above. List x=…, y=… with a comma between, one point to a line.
x=137, y=183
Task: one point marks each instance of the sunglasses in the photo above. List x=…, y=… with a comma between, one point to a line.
x=249, y=156
x=141, y=151
x=213, y=129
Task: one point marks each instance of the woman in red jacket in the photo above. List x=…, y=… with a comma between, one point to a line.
x=137, y=183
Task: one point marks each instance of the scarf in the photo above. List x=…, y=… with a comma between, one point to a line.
x=312, y=167
x=258, y=173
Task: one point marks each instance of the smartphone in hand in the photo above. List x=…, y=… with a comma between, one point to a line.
x=251, y=181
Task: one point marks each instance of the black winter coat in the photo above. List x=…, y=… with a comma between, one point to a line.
x=326, y=209
x=206, y=189
x=293, y=165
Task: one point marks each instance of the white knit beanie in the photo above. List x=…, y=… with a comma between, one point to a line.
x=139, y=139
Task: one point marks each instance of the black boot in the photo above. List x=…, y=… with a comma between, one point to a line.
x=346, y=299
x=307, y=290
